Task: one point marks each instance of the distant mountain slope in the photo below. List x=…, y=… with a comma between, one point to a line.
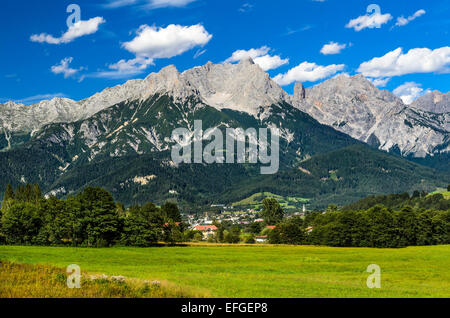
x=345, y=176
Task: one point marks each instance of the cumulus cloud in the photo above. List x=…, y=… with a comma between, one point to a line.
x=152, y=43
x=396, y=63
x=78, y=29
x=332, y=48
x=260, y=56
x=64, y=68
x=125, y=68
x=308, y=72
x=409, y=92
x=369, y=21
x=402, y=21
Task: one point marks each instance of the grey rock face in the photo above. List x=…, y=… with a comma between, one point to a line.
x=434, y=102
x=356, y=107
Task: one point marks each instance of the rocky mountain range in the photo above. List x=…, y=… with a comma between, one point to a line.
x=352, y=105
x=121, y=138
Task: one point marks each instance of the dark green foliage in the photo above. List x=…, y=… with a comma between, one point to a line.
x=399, y=201
x=233, y=235
x=290, y=232
x=100, y=221
x=91, y=218
x=21, y=223
x=171, y=212
x=143, y=226
x=272, y=211
x=9, y=193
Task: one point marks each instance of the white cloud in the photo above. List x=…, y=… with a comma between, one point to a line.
x=151, y=4
x=395, y=63
x=308, y=72
x=169, y=3
x=260, y=56
x=199, y=53
x=369, y=21
x=77, y=30
x=153, y=42
x=246, y=7
x=64, y=68
x=402, y=21
x=124, y=68
x=332, y=48
x=380, y=82
x=409, y=92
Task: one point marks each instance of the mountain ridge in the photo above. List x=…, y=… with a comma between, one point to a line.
x=350, y=104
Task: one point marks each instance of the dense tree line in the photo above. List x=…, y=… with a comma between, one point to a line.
x=91, y=218
x=377, y=226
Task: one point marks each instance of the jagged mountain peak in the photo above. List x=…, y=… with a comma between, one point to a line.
x=243, y=87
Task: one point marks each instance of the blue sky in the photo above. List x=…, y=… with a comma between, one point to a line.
x=42, y=56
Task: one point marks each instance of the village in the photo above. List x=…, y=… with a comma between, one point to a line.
x=207, y=222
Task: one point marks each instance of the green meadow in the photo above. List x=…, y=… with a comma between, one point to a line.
x=260, y=270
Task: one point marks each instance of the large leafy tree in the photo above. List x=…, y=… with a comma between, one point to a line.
x=272, y=211
x=171, y=212
x=21, y=223
x=100, y=219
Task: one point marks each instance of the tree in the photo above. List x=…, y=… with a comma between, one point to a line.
x=172, y=233
x=21, y=223
x=233, y=235
x=8, y=198
x=291, y=232
x=9, y=193
x=407, y=226
x=171, y=212
x=141, y=228
x=448, y=187
x=272, y=211
x=100, y=218
x=381, y=232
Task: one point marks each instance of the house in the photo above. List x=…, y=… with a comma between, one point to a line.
x=261, y=239
x=207, y=230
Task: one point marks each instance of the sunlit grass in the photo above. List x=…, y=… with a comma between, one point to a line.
x=261, y=271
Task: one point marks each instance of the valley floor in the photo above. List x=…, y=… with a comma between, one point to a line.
x=231, y=271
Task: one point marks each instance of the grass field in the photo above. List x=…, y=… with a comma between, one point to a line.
x=260, y=271
x=255, y=201
x=442, y=191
